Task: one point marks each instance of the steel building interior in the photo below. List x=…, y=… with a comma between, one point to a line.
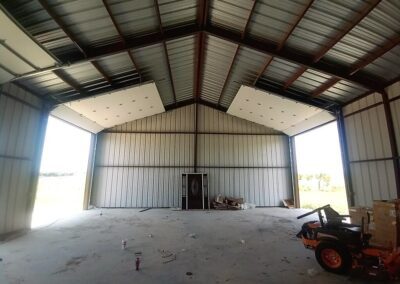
x=167, y=87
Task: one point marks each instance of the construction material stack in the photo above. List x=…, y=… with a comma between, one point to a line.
x=385, y=230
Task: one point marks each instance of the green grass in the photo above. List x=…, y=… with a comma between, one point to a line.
x=314, y=199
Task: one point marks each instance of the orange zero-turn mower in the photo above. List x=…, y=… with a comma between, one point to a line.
x=343, y=248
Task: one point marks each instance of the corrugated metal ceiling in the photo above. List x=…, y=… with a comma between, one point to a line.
x=277, y=22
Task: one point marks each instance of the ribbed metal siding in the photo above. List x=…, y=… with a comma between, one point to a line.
x=44, y=83
x=244, y=71
x=310, y=80
x=344, y=91
x=181, y=58
x=134, y=17
x=19, y=127
x=232, y=15
x=321, y=23
x=88, y=20
x=138, y=164
x=368, y=142
x=141, y=170
x=379, y=26
x=272, y=19
x=280, y=70
x=116, y=64
x=387, y=66
x=153, y=66
x=255, y=167
x=218, y=58
x=41, y=26
x=177, y=12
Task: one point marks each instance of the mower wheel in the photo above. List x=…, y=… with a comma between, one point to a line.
x=333, y=257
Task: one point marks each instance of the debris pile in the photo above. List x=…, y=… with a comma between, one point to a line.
x=227, y=203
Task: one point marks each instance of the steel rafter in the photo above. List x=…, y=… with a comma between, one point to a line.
x=157, y=7
x=243, y=35
x=121, y=36
x=284, y=40
x=327, y=85
x=328, y=46
x=297, y=57
x=80, y=47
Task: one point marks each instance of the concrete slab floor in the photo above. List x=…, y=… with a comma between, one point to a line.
x=251, y=246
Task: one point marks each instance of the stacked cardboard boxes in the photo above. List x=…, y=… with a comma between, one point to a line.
x=358, y=214
x=386, y=228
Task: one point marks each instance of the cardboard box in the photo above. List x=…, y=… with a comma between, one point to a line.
x=386, y=223
x=358, y=213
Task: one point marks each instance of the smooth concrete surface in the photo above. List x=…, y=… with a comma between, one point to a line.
x=250, y=246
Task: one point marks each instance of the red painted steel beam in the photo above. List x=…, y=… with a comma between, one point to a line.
x=327, y=85
x=199, y=65
x=228, y=75
x=243, y=35
x=157, y=7
x=343, y=31
x=297, y=57
x=121, y=35
x=68, y=80
x=60, y=23
x=101, y=71
x=202, y=18
x=262, y=70
x=294, y=77
x=347, y=28
x=289, y=33
x=283, y=42
x=389, y=45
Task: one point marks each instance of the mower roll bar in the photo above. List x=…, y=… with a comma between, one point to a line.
x=314, y=211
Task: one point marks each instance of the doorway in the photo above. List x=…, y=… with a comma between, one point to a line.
x=320, y=169
x=62, y=175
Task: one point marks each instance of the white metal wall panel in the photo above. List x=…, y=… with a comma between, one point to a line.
x=20, y=116
x=255, y=167
x=367, y=135
x=393, y=90
x=370, y=155
x=373, y=181
x=139, y=164
x=367, y=101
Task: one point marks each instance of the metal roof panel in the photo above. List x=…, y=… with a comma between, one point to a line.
x=152, y=63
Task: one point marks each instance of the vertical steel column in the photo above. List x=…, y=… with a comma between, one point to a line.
x=392, y=139
x=196, y=121
x=89, y=172
x=39, y=144
x=293, y=172
x=345, y=157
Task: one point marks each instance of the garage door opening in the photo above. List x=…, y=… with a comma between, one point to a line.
x=320, y=169
x=63, y=169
